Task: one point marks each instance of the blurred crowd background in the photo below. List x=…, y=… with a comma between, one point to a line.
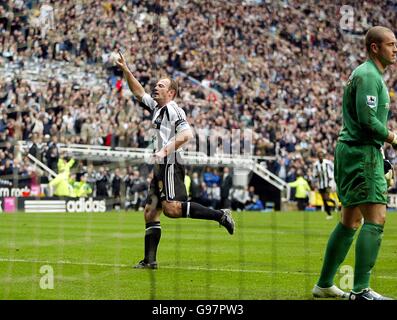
x=276, y=68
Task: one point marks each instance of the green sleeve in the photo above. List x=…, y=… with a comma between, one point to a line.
x=367, y=104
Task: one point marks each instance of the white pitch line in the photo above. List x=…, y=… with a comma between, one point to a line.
x=113, y=265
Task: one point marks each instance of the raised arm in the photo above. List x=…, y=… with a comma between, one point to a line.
x=134, y=85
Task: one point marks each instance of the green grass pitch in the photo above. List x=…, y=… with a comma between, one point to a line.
x=272, y=255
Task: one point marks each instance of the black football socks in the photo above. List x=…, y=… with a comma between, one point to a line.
x=197, y=211
x=152, y=239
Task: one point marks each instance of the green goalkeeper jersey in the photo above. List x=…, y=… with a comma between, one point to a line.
x=365, y=107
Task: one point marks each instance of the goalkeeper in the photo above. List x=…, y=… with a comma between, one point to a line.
x=359, y=170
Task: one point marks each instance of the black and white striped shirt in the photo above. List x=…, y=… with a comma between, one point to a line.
x=167, y=121
x=323, y=173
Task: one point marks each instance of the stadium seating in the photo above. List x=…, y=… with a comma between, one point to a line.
x=240, y=65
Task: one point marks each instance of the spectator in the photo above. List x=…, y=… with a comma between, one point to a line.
x=240, y=198
x=226, y=185
x=302, y=190
x=35, y=149
x=102, y=182
x=214, y=195
x=136, y=189
x=205, y=199
x=63, y=164
x=7, y=170
x=61, y=183
x=210, y=177
x=116, y=188
x=52, y=153
x=195, y=188
x=82, y=188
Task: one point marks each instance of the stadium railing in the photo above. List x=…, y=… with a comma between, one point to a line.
x=247, y=162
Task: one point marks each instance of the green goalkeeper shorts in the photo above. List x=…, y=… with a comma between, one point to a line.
x=359, y=174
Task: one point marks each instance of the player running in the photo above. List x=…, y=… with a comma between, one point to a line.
x=167, y=191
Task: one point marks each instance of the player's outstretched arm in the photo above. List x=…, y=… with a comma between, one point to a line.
x=134, y=85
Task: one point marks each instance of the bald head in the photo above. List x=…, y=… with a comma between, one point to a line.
x=381, y=46
x=376, y=35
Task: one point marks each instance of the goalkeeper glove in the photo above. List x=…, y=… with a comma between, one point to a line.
x=389, y=173
x=394, y=142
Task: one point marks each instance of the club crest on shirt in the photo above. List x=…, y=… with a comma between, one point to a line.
x=372, y=101
x=157, y=122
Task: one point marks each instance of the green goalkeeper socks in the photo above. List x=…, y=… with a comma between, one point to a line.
x=337, y=248
x=367, y=248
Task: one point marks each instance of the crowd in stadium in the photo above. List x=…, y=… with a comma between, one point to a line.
x=128, y=186
x=240, y=64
